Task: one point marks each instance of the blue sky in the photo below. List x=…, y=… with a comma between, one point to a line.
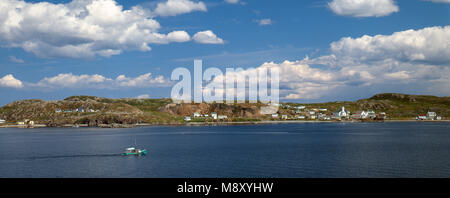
x=30, y=48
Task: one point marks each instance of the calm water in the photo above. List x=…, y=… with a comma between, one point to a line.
x=278, y=150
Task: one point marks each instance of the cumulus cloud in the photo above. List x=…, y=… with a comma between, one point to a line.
x=15, y=60
x=363, y=8
x=207, y=37
x=176, y=7
x=87, y=28
x=408, y=60
x=232, y=1
x=143, y=96
x=428, y=45
x=439, y=1
x=263, y=22
x=10, y=81
x=97, y=81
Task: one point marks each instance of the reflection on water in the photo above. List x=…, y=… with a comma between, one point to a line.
x=410, y=149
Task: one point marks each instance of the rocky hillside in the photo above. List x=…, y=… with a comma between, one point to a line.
x=96, y=111
x=162, y=111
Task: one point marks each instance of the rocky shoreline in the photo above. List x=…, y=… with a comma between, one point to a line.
x=210, y=123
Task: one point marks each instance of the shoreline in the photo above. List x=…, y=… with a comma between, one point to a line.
x=213, y=123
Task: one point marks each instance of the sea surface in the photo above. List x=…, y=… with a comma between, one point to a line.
x=300, y=150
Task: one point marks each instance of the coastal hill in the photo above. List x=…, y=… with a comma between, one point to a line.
x=95, y=111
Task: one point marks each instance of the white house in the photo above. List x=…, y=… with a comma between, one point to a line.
x=431, y=115
x=222, y=117
x=214, y=115
x=274, y=115
x=300, y=107
x=323, y=110
x=2, y=121
x=301, y=117
x=197, y=115
x=421, y=117
x=187, y=119
x=285, y=117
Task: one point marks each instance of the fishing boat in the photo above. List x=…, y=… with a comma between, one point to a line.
x=134, y=151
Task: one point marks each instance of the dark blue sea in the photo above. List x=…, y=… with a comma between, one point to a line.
x=303, y=150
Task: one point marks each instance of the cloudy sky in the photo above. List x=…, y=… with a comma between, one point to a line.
x=326, y=50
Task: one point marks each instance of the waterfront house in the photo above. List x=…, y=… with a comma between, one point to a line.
x=284, y=117
x=371, y=114
x=222, y=117
x=438, y=118
x=20, y=123
x=2, y=121
x=197, y=115
x=301, y=117
x=421, y=117
x=312, y=117
x=214, y=115
x=360, y=115
x=275, y=116
x=381, y=116
x=187, y=119
x=431, y=115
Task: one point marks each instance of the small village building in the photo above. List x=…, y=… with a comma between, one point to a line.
x=301, y=117
x=21, y=123
x=312, y=117
x=381, y=116
x=431, y=115
x=323, y=110
x=371, y=114
x=312, y=113
x=206, y=115
x=187, y=118
x=58, y=111
x=2, y=121
x=275, y=115
x=222, y=117
x=214, y=115
x=300, y=107
x=421, y=117
x=438, y=118
x=360, y=115
x=285, y=117
x=197, y=115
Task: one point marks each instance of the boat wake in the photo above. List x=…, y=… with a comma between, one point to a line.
x=75, y=156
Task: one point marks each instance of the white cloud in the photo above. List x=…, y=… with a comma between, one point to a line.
x=176, y=7
x=207, y=37
x=10, y=81
x=429, y=45
x=144, y=96
x=15, y=60
x=416, y=60
x=232, y=1
x=363, y=8
x=439, y=1
x=97, y=81
x=86, y=28
x=263, y=22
